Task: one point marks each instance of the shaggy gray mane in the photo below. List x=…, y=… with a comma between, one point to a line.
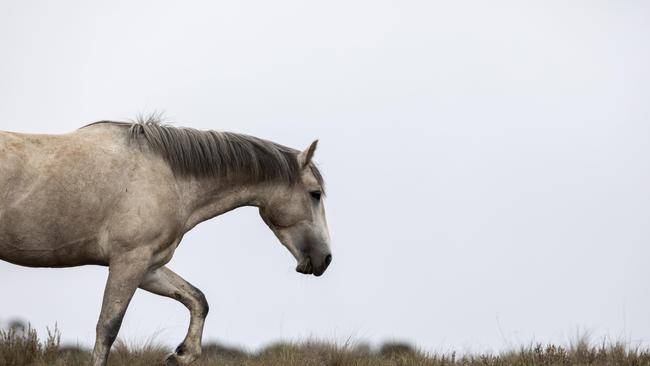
x=192, y=152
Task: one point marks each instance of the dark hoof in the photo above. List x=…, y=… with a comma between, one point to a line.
x=172, y=360
x=181, y=359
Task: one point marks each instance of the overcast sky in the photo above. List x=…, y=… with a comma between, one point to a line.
x=487, y=163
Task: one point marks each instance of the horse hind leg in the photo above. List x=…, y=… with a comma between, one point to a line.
x=164, y=282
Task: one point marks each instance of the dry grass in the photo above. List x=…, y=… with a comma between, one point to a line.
x=20, y=347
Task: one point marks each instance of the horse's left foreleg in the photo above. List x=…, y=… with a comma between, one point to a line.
x=125, y=275
x=164, y=282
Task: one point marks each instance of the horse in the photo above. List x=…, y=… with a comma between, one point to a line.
x=123, y=194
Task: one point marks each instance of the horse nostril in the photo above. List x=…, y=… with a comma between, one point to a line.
x=328, y=259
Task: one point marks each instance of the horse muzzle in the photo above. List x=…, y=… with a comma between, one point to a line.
x=307, y=265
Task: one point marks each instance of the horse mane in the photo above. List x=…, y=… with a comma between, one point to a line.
x=198, y=153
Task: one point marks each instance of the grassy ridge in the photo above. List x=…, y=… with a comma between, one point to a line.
x=20, y=347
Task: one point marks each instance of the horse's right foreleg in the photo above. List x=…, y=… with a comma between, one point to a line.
x=123, y=279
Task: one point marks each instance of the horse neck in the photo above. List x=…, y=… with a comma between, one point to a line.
x=208, y=198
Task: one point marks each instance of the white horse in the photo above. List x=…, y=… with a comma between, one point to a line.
x=123, y=195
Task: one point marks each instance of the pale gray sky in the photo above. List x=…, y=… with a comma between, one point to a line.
x=488, y=163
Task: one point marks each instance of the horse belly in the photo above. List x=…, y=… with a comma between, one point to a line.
x=51, y=258
x=35, y=240
x=45, y=227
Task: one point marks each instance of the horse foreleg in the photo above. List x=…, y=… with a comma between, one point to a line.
x=123, y=279
x=164, y=282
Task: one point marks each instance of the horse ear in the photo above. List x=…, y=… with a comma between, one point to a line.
x=304, y=158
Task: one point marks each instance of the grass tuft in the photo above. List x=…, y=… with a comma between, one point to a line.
x=21, y=346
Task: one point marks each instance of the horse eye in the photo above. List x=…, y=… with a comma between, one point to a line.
x=315, y=195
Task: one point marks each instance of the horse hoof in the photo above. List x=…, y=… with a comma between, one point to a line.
x=175, y=359
x=172, y=360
